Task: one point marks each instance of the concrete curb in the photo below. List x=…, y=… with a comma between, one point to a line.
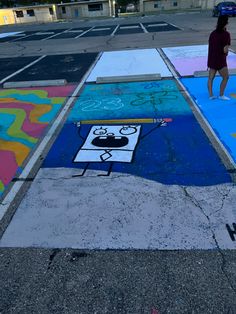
x=205, y=73
x=128, y=78
x=59, y=82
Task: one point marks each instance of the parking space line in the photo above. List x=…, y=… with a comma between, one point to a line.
x=84, y=32
x=131, y=26
x=44, y=33
x=75, y=31
x=22, y=69
x=22, y=37
x=144, y=28
x=100, y=29
x=176, y=26
x=113, y=33
x=157, y=25
x=56, y=34
x=6, y=202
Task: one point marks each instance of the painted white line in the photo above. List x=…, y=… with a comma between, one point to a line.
x=75, y=31
x=157, y=25
x=100, y=29
x=22, y=69
x=113, y=33
x=55, y=35
x=176, y=26
x=6, y=202
x=22, y=37
x=214, y=135
x=127, y=27
x=45, y=33
x=9, y=34
x=17, y=35
x=143, y=27
x=85, y=32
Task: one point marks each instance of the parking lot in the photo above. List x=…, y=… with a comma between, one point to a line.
x=117, y=183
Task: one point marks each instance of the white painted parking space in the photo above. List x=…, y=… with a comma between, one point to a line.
x=120, y=212
x=8, y=34
x=129, y=62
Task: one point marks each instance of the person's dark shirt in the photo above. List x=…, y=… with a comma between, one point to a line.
x=216, y=56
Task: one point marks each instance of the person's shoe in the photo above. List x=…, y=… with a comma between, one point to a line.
x=223, y=97
x=212, y=97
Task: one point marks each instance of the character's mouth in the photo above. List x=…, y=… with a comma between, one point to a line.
x=110, y=141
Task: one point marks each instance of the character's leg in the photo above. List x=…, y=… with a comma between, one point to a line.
x=81, y=175
x=108, y=171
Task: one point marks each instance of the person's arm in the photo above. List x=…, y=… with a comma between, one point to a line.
x=227, y=42
x=226, y=49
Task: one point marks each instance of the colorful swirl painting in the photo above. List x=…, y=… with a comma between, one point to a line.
x=24, y=117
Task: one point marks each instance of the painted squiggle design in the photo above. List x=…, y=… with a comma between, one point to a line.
x=24, y=116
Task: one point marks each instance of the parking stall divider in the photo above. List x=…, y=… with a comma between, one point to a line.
x=113, y=33
x=84, y=32
x=10, y=203
x=56, y=34
x=210, y=133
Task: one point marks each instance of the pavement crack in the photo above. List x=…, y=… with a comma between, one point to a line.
x=52, y=256
x=196, y=203
x=224, y=197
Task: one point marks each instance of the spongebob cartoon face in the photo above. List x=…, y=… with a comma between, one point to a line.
x=109, y=143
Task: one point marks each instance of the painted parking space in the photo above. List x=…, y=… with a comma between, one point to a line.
x=70, y=67
x=129, y=62
x=15, y=37
x=129, y=29
x=100, y=31
x=221, y=115
x=188, y=59
x=24, y=117
x=7, y=36
x=124, y=184
x=160, y=27
x=11, y=65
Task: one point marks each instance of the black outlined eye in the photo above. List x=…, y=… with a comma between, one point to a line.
x=100, y=131
x=127, y=130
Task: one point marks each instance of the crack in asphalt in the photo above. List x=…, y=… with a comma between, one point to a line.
x=224, y=196
x=224, y=261
x=19, y=45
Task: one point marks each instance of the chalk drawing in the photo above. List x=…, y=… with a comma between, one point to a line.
x=128, y=100
x=24, y=116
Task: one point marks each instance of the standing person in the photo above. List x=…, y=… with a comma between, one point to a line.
x=219, y=42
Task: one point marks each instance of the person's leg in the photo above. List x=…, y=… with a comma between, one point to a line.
x=211, y=77
x=225, y=76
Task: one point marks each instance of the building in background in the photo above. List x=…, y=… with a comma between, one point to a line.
x=92, y=9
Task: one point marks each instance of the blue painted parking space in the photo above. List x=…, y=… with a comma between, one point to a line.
x=220, y=114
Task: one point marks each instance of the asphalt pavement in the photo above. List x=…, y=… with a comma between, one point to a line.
x=69, y=280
